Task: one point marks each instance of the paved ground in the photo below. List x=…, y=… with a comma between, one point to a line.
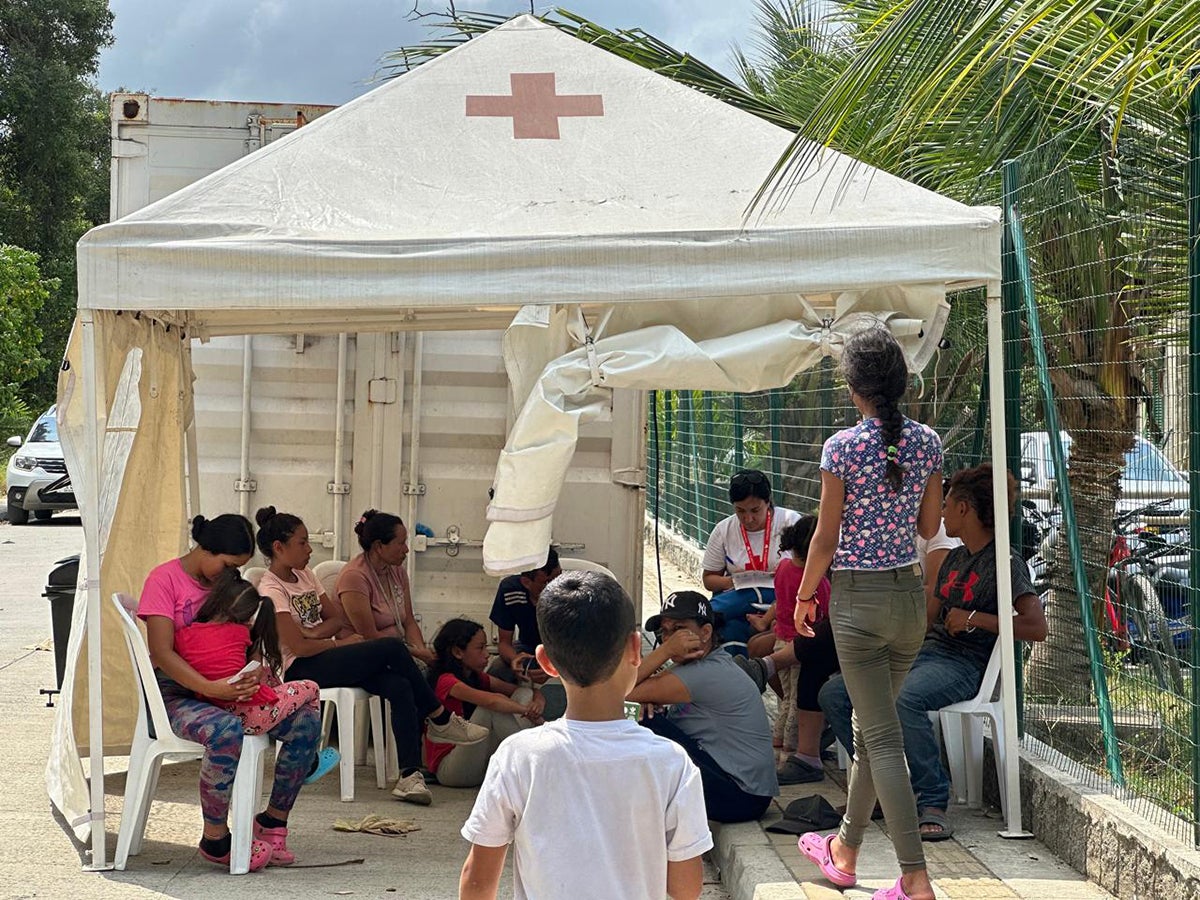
x=38, y=859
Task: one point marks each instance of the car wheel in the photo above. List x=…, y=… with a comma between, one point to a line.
x=17, y=515
x=43, y=515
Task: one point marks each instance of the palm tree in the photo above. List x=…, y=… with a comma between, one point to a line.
x=1088, y=94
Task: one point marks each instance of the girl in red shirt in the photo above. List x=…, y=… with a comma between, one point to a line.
x=460, y=683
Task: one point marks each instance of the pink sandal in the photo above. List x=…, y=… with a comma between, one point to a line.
x=816, y=848
x=895, y=892
x=260, y=856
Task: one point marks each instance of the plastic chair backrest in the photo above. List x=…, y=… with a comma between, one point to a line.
x=254, y=574
x=574, y=564
x=143, y=669
x=327, y=574
x=991, y=677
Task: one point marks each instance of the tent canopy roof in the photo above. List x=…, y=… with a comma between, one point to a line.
x=525, y=166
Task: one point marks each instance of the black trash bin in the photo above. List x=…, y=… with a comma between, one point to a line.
x=60, y=591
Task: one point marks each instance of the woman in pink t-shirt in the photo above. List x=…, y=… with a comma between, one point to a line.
x=316, y=648
x=373, y=587
x=173, y=594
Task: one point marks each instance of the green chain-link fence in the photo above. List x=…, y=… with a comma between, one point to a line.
x=1100, y=260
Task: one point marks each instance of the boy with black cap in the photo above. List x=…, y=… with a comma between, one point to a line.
x=717, y=717
x=594, y=805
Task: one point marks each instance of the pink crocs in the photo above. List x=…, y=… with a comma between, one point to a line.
x=816, y=848
x=276, y=839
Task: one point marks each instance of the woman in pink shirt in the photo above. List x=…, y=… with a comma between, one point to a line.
x=373, y=587
x=171, y=598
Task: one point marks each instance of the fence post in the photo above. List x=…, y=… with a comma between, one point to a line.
x=774, y=399
x=1193, y=214
x=739, y=435
x=1010, y=304
x=709, y=468
x=1112, y=752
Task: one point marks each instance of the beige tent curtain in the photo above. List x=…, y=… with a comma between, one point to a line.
x=145, y=387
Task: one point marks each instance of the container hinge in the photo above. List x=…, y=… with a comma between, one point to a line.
x=631, y=477
x=249, y=486
x=335, y=487
x=414, y=490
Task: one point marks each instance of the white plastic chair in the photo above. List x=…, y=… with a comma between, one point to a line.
x=327, y=574
x=254, y=574
x=354, y=752
x=962, y=731
x=148, y=752
x=345, y=701
x=575, y=564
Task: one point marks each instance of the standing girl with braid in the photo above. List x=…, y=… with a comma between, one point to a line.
x=881, y=486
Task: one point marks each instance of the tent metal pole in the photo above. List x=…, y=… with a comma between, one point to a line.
x=413, y=488
x=1004, y=588
x=243, y=486
x=191, y=444
x=338, y=486
x=91, y=537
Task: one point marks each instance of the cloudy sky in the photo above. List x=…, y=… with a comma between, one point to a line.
x=320, y=51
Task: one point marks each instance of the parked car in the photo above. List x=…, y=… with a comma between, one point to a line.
x=38, y=482
x=1147, y=476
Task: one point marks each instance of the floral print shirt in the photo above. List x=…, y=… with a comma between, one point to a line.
x=879, y=525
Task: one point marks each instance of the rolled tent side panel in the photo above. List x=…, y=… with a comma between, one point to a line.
x=576, y=388
x=145, y=385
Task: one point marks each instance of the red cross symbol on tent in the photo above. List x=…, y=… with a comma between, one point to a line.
x=535, y=105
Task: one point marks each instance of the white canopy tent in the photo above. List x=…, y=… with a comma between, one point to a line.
x=525, y=178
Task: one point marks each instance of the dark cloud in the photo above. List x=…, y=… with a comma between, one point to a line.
x=314, y=51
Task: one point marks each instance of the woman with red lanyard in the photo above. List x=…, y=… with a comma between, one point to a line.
x=743, y=552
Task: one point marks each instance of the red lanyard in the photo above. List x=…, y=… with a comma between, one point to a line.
x=756, y=564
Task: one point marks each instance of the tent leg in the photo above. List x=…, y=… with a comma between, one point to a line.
x=1008, y=666
x=91, y=536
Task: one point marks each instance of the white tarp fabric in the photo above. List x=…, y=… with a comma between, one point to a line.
x=524, y=168
x=577, y=387
x=145, y=409
x=419, y=198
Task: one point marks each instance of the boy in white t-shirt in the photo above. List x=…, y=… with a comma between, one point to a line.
x=594, y=805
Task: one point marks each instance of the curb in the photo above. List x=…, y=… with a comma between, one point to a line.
x=750, y=868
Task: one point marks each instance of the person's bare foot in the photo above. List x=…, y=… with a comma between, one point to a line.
x=843, y=856
x=933, y=827
x=917, y=885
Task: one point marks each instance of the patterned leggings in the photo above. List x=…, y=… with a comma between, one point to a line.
x=258, y=718
x=221, y=733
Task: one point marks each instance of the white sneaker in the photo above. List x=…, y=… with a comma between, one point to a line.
x=457, y=731
x=412, y=789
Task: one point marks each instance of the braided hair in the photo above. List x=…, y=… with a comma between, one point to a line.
x=875, y=369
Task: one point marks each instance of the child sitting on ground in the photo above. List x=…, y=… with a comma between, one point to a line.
x=614, y=810
x=458, y=679
x=235, y=627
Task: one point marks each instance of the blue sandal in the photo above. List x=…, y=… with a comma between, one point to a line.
x=327, y=761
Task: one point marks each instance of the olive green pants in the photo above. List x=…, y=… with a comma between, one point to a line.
x=878, y=622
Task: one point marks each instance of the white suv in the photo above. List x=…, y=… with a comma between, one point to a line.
x=38, y=482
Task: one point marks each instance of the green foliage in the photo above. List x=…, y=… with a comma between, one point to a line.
x=53, y=150
x=23, y=295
